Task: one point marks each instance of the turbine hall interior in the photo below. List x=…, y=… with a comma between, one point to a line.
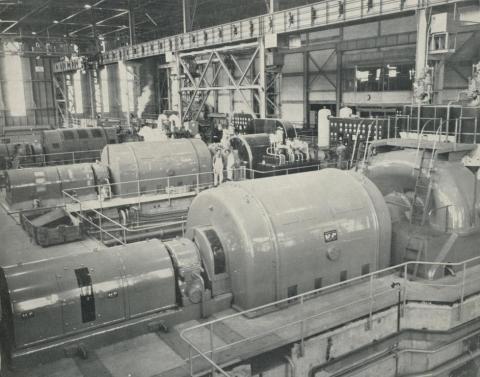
x=266, y=188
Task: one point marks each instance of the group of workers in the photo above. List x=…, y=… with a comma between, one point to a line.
x=219, y=165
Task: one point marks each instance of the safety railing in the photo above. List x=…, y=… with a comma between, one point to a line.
x=455, y=130
x=380, y=294
x=430, y=352
x=176, y=184
x=169, y=187
x=60, y=158
x=121, y=234
x=93, y=198
x=294, y=168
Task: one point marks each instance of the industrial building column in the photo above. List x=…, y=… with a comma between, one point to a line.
x=187, y=16
x=338, y=81
x=131, y=22
x=306, y=89
x=439, y=82
x=422, y=43
x=176, y=86
x=273, y=6
x=262, y=79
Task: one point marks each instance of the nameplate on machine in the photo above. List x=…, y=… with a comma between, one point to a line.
x=330, y=236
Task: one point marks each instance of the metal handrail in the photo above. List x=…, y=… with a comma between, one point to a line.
x=45, y=156
x=67, y=194
x=402, y=268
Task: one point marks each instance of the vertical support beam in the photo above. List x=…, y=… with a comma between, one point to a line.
x=92, y=93
x=187, y=16
x=338, y=81
x=273, y=6
x=94, y=31
x=439, y=82
x=177, y=103
x=262, y=67
x=131, y=22
x=55, y=95
x=67, y=100
x=306, y=89
x=169, y=89
x=215, y=83
x=422, y=42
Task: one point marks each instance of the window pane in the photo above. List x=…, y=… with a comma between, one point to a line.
x=15, y=92
x=127, y=85
x=77, y=88
x=389, y=77
x=104, y=88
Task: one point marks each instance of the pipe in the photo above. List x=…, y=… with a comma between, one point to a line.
x=292, y=365
x=446, y=367
x=136, y=237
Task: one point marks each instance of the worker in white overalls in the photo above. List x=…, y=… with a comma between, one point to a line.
x=230, y=164
x=217, y=168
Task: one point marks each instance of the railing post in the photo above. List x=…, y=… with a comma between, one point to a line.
x=211, y=348
x=405, y=282
x=370, y=315
x=475, y=132
x=100, y=224
x=302, y=330
x=73, y=157
x=456, y=131
x=446, y=219
x=190, y=361
x=198, y=182
x=462, y=294
x=388, y=128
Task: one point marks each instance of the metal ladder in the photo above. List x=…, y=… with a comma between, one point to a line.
x=423, y=183
x=423, y=188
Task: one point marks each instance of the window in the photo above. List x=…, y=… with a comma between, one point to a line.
x=365, y=269
x=68, y=135
x=292, y=291
x=87, y=299
x=14, y=85
x=317, y=283
x=104, y=90
x=127, y=87
x=343, y=275
x=83, y=134
x=96, y=133
x=379, y=78
x=77, y=92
